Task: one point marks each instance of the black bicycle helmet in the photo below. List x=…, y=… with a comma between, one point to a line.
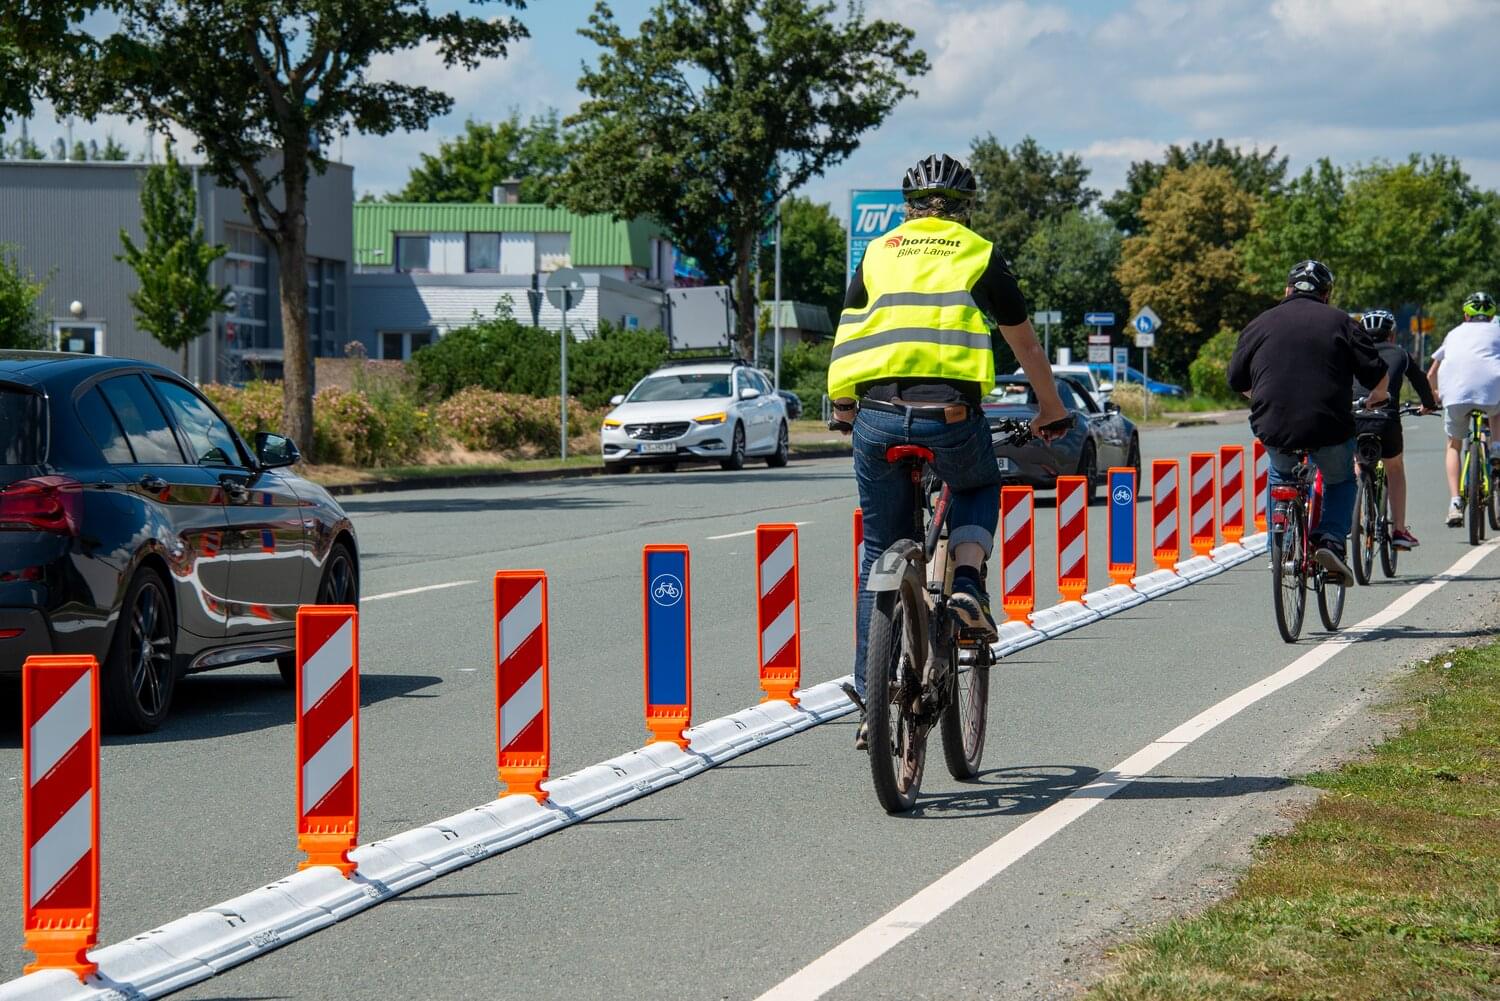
x=939, y=174
x=1479, y=304
x=1310, y=276
x=1379, y=321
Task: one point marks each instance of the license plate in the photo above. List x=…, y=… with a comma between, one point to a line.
x=657, y=447
x=1006, y=466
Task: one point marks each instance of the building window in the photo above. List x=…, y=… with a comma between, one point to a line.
x=483, y=252
x=78, y=338
x=314, y=304
x=412, y=253
x=247, y=274
x=400, y=345
x=553, y=251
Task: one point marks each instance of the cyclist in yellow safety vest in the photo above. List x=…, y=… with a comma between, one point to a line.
x=912, y=360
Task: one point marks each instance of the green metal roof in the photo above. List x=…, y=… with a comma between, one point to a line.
x=596, y=240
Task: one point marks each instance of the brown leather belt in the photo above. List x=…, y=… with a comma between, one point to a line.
x=951, y=413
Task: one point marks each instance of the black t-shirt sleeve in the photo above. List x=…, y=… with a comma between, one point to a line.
x=1418, y=380
x=856, y=297
x=998, y=295
x=1238, y=373
x=1369, y=367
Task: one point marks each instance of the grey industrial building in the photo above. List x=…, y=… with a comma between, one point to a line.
x=62, y=220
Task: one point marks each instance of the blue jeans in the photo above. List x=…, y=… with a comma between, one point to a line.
x=1340, y=488
x=963, y=457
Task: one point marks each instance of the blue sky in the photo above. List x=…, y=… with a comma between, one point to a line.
x=1114, y=81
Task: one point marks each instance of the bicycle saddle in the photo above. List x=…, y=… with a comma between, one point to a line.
x=898, y=453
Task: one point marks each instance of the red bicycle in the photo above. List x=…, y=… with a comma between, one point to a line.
x=1295, y=511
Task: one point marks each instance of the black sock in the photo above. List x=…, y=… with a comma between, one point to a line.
x=970, y=574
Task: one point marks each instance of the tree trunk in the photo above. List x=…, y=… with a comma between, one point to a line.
x=744, y=292
x=292, y=283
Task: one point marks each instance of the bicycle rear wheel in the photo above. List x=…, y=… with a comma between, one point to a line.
x=963, y=720
x=1287, y=572
x=1474, y=493
x=1364, y=530
x=1330, y=602
x=1389, y=554
x=894, y=659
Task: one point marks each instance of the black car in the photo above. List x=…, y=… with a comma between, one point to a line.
x=1100, y=437
x=137, y=526
x=793, y=404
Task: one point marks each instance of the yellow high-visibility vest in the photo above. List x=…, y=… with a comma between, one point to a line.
x=920, y=318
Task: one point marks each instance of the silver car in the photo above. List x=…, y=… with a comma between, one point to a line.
x=716, y=411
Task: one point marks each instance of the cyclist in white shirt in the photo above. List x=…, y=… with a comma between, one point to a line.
x=1470, y=362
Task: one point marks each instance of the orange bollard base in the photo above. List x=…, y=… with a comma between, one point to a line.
x=524, y=780
x=1072, y=592
x=779, y=689
x=327, y=848
x=667, y=728
x=1019, y=613
x=61, y=949
x=1233, y=535
x=1168, y=562
x=1202, y=547
x=1121, y=575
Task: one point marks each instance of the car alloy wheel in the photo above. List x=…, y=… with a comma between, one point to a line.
x=140, y=673
x=736, y=458
x=779, y=458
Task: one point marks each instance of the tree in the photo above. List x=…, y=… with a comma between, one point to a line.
x=719, y=108
x=1305, y=220
x=1068, y=264
x=34, y=34
x=1184, y=263
x=468, y=168
x=21, y=321
x=25, y=148
x=1258, y=173
x=812, y=256
x=265, y=86
x=112, y=152
x=176, y=300
x=1022, y=187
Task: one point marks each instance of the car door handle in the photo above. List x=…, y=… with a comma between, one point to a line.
x=152, y=483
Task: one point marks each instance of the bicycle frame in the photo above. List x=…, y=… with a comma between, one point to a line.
x=1477, y=443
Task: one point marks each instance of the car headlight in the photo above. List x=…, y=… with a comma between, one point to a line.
x=610, y=422
x=707, y=420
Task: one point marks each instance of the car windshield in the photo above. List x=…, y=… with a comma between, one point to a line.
x=1012, y=394
x=22, y=426
x=682, y=386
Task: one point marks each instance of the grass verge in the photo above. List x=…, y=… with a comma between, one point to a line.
x=1389, y=887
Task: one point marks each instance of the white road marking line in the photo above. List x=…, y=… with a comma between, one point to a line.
x=414, y=590
x=862, y=948
x=739, y=535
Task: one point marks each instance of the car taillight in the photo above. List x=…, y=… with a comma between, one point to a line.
x=43, y=503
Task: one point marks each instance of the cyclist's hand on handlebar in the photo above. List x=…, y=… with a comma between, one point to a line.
x=843, y=417
x=1051, y=424
x=1374, y=402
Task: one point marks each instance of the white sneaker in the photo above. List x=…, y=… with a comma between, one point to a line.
x=1455, y=513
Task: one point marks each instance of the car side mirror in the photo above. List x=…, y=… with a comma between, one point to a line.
x=749, y=394
x=274, y=451
x=1111, y=407
x=1106, y=387
x=617, y=399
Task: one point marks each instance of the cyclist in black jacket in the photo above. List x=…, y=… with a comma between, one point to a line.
x=1380, y=325
x=1296, y=362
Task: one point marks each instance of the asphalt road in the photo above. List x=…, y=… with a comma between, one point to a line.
x=721, y=887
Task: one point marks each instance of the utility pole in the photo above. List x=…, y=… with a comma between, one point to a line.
x=776, y=382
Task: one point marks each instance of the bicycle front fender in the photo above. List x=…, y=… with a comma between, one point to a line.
x=904, y=555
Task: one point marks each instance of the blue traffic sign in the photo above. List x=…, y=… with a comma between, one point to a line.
x=1144, y=324
x=1122, y=518
x=668, y=642
x=1099, y=319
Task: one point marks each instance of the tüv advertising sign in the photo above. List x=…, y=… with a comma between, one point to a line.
x=872, y=214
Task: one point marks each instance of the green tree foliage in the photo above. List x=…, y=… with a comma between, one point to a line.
x=1258, y=173
x=715, y=109
x=1209, y=372
x=469, y=167
x=1022, y=187
x=265, y=86
x=499, y=353
x=1068, y=264
x=804, y=371
x=21, y=322
x=813, y=246
x=1305, y=220
x=176, y=299
x=35, y=34
x=1184, y=263
x=25, y=148
x=111, y=152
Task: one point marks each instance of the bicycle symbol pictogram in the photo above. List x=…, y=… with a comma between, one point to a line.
x=666, y=590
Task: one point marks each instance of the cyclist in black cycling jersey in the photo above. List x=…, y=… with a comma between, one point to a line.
x=1380, y=325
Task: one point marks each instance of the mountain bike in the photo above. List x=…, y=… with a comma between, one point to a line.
x=923, y=669
x=1371, y=530
x=1294, y=572
x=1476, y=479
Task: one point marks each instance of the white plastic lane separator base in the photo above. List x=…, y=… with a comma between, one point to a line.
x=210, y=941
x=843, y=961
x=202, y=944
